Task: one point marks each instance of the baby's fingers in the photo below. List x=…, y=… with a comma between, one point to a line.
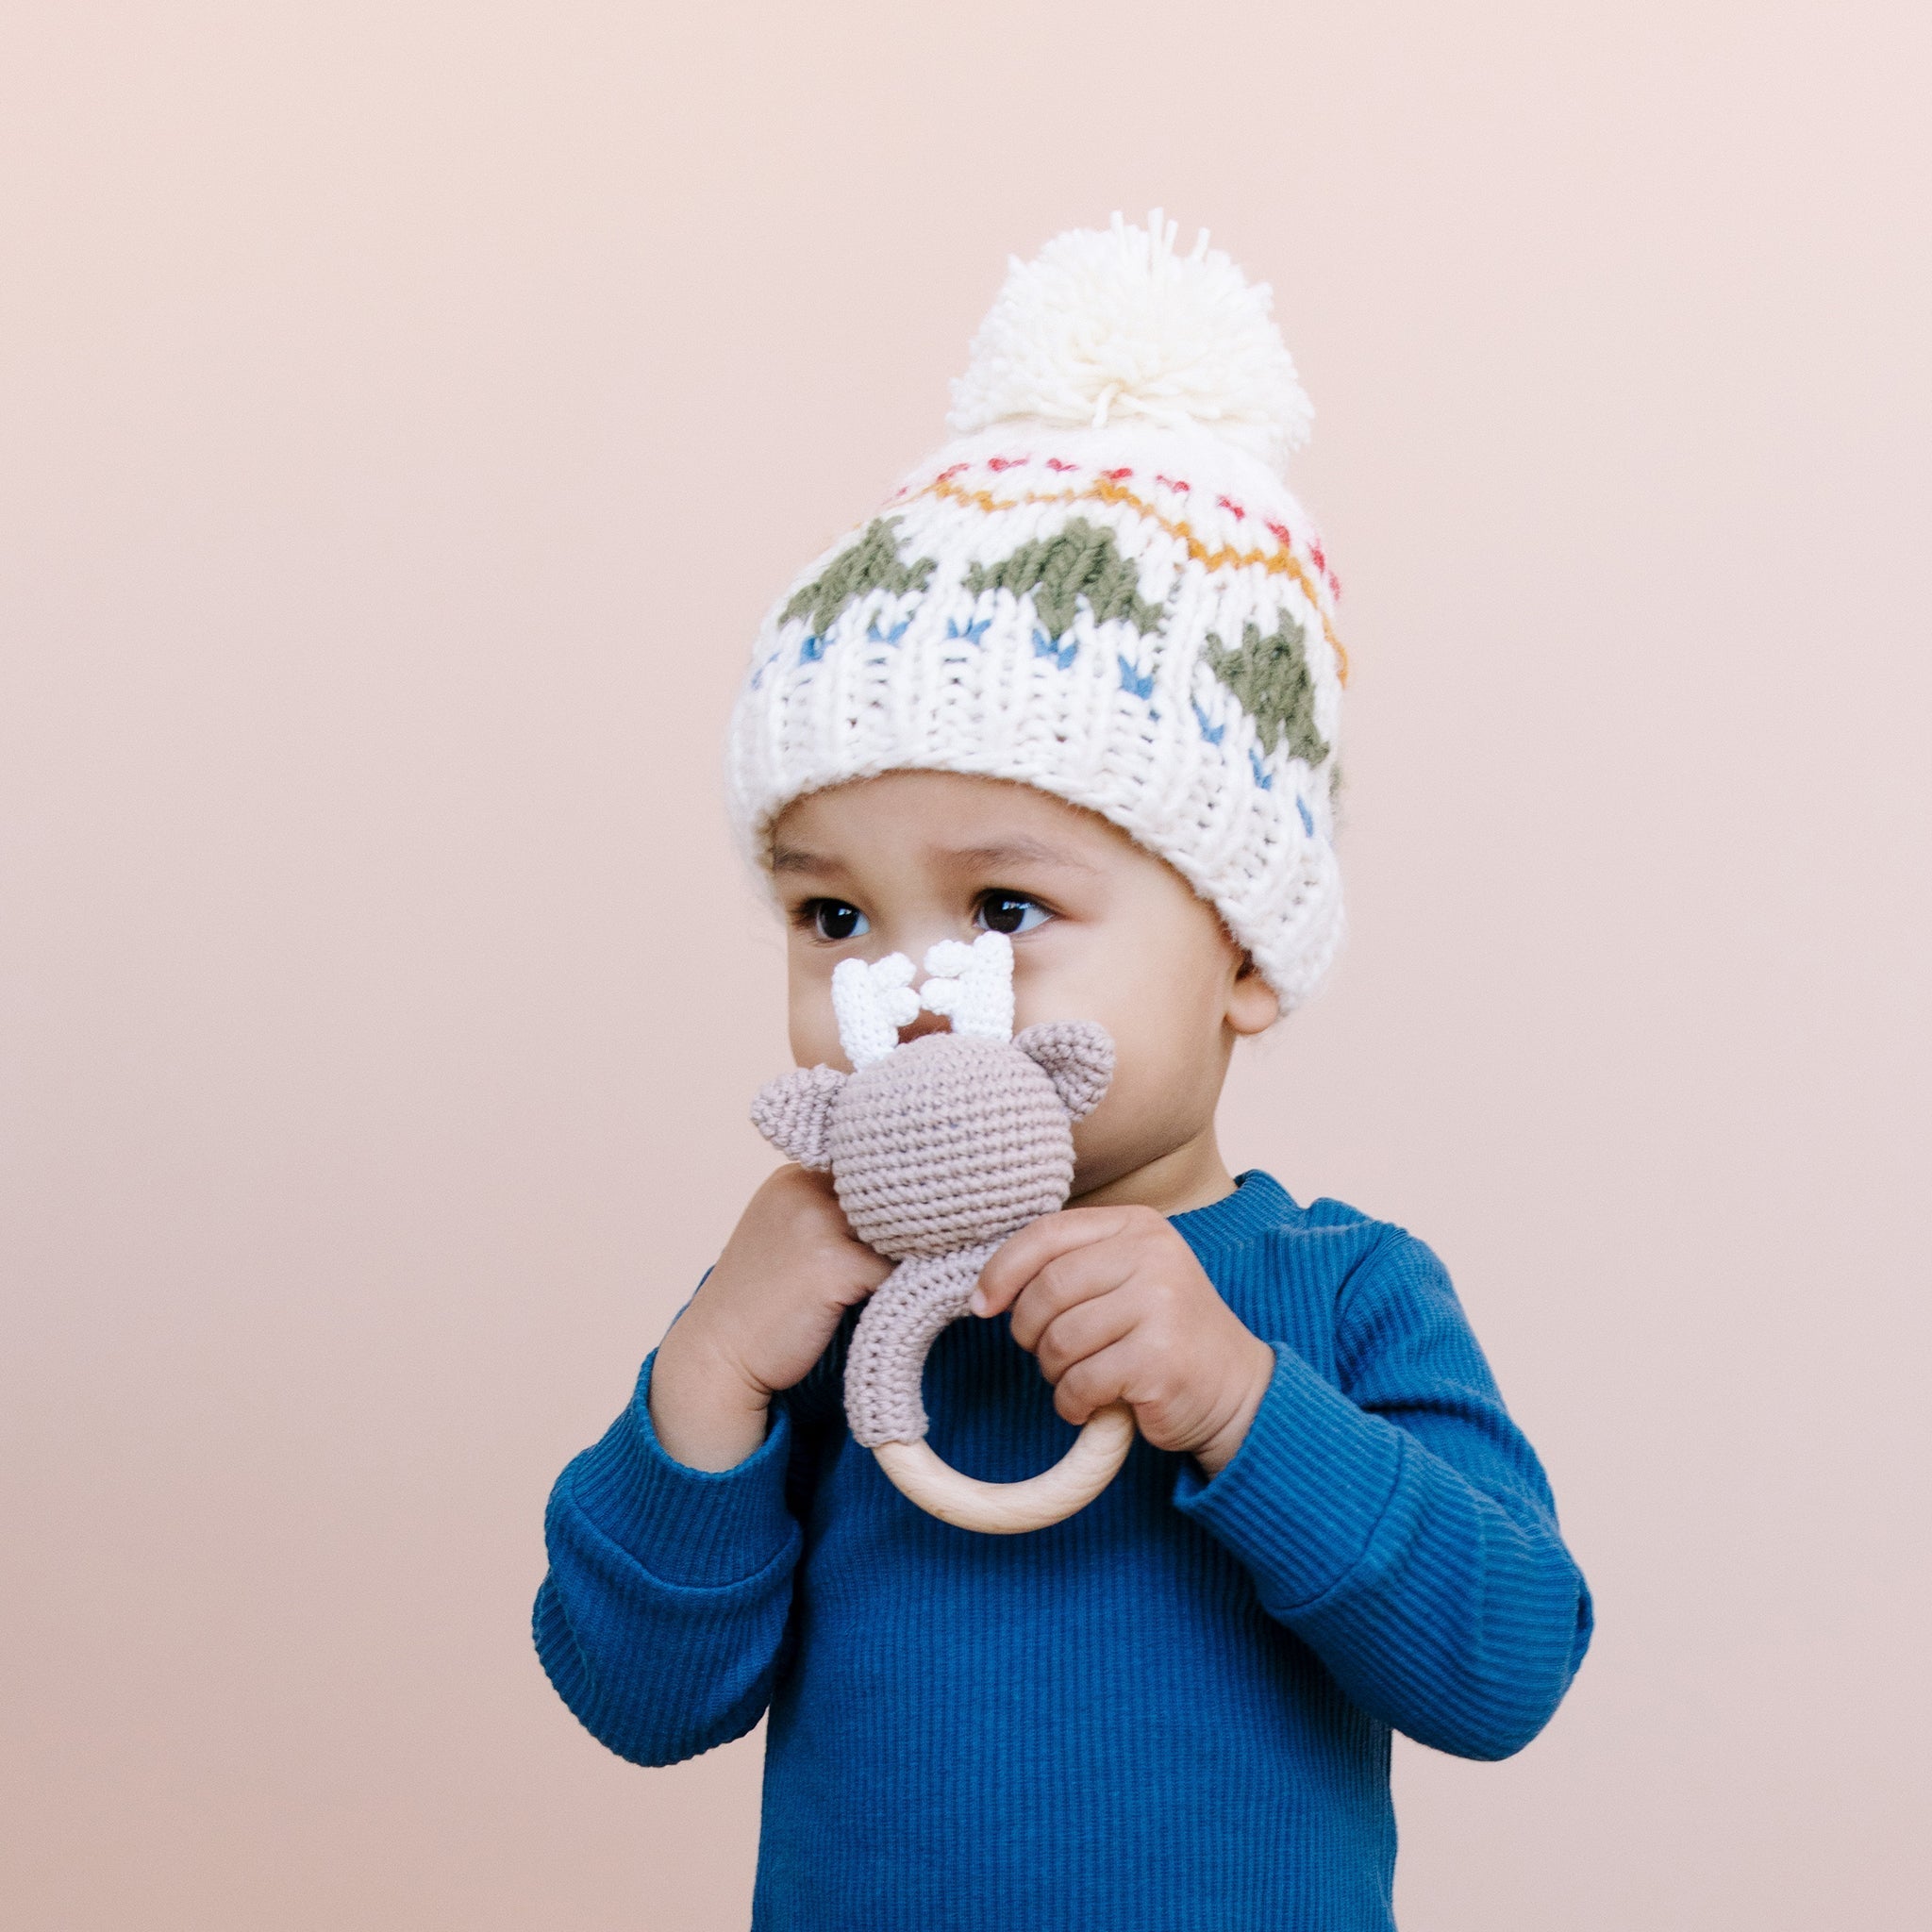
x=1037, y=1244
x=1082, y=1330
x=1090, y=1385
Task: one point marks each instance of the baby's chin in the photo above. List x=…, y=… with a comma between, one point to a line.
x=1095, y=1168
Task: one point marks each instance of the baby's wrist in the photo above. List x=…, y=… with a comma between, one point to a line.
x=708, y=1412
x=703, y=1355
x=1219, y=1450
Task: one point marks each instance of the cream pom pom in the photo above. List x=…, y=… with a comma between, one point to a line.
x=1104, y=326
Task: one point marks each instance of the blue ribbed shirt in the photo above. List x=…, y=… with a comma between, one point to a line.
x=1169, y=1713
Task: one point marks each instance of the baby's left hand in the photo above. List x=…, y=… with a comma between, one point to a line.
x=1117, y=1309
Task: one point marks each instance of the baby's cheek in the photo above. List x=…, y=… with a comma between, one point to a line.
x=1160, y=1098
x=813, y=1030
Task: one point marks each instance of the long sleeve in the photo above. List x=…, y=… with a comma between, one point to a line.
x=663, y=1615
x=1401, y=1525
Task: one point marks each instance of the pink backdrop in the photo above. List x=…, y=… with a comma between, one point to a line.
x=408, y=410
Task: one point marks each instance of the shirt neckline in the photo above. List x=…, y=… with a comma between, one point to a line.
x=1258, y=1202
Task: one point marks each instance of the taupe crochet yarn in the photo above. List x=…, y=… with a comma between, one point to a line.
x=939, y=1150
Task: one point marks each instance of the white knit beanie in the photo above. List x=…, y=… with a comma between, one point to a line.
x=1102, y=587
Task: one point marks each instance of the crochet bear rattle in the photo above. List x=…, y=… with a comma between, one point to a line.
x=939, y=1150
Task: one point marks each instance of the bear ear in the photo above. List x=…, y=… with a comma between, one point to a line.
x=1078, y=1057
x=795, y=1114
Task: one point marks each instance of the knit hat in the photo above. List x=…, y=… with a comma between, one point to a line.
x=1102, y=587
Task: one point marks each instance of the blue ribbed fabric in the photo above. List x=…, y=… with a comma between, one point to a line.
x=1169, y=1713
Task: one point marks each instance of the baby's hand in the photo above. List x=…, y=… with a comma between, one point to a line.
x=1117, y=1309
x=764, y=1317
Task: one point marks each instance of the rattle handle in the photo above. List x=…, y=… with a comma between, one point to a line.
x=883, y=1408
x=1006, y=1508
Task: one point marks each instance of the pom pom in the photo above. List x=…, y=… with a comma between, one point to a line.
x=1102, y=326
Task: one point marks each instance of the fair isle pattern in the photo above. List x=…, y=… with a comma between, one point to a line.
x=1136, y=620
x=1110, y=487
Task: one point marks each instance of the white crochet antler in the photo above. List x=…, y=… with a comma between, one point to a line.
x=973, y=986
x=871, y=1003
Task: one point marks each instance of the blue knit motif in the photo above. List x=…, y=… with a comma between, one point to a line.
x=1062, y=655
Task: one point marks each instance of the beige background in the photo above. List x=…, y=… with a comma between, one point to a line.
x=408, y=410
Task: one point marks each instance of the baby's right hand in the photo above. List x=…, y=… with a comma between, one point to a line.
x=764, y=1317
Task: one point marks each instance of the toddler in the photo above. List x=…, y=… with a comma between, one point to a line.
x=1077, y=683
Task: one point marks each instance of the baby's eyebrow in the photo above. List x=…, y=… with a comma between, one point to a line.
x=1002, y=851
x=795, y=858
x=1016, y=852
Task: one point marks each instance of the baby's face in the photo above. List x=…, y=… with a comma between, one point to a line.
x=1101, y=929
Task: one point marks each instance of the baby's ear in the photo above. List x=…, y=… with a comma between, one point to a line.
x=795, y=1114
x=1078, y=1055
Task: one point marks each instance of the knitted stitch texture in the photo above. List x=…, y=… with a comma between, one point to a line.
x=1102, y=588
x=1169, y=1714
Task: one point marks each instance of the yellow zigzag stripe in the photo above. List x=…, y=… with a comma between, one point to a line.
x=1105, y=490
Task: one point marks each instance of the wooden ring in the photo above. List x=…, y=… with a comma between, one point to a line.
x=1006, y=1508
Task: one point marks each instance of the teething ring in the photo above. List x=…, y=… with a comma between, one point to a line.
x=1006, y=1508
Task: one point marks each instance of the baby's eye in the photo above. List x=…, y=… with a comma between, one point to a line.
x=1010, y=912
x=834, y=919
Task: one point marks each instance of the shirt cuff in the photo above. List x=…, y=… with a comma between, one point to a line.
x=1298, y=1503
x=693, y=1528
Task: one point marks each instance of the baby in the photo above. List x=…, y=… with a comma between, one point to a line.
x=1077, y=684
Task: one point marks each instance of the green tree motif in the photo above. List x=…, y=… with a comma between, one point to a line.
x=1081, y=561
x=871, y=564
x=1269, y=679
